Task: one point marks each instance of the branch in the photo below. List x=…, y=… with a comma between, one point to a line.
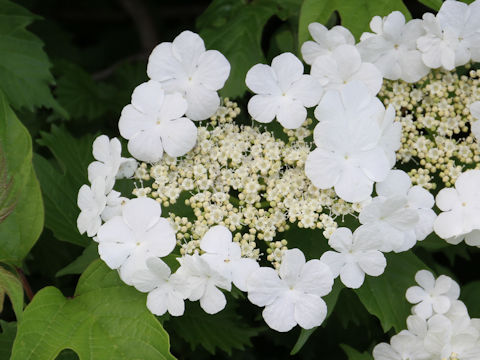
x=26, y=285
x=143, y=22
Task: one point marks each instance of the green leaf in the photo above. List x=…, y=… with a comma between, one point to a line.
x=471, y=297
x=24, y=67
x=105, y=319
x=225, y=330
x=7, y=336
x=11, y=285
x=20, y=196
x=432, y=4
x=354, y=354
x=355, y=15
x=302, y=340
x=60, y=184
x=384, y=296
x=234, y=27
x=79, y=265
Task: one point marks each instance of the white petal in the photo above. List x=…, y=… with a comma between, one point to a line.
x=353, y=185
x=162, y=65
x=178, y=136
x=188, y=47
x=292, y=263
x=397, y=183
x=175, y=304
x=307, y=90
x=334, y=260
x=322, y=168
x=132, y=122
x=115, y=254
x=213, y=300
x=370, y=76
x=141, y=213
x=448, y=224
x=447, y=199
x=241, y=272
x=288, y=69
x=202, y=102
x=216, y=240
x=310, y=311
x=173, y=107
x=146, y=146
x=291, y=114
x=280, y=315
x=384, y=351
x=415, y=294
x=423, y=309
x=372, y=262
x=160, y=239
x=341, y=239
x=148, y=97
x=157, y=302
x=425, y=279
x=261, y=79
x=330, y=107
x=213, y=70
x=264, y=286
x=441, y=304
x=352, y=276
x=374, y=163
x=316, y=278
x=263, y=108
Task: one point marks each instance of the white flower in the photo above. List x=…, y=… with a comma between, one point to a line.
x=452, y=37
x=113, y=206
x=294, y=297
x=108, y=155
x=283, y=91
x=225, y=256
x=398, y=183
x=349, y=155
x=185, y=66
x=325, y=41
x=91, y=201
x=357, y=254
x=344, y=65
x=403, y=346
x=202, y=282
x=461, y=210
x=153, y=123
x=127, y=168
x=127, y=241
x=475, y=125
x=165, y=291
x=432, y=295
x=393, y=47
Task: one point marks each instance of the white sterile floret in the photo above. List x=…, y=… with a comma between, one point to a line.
x=107, y=154
x=185, y=66
x=165, y=291
x=344, y=65
x=356, y=254
x=475, y=125
x=325, y=41
x=225, y=256
x=350, y=155
x=433, y=295
x=283, y=91
x=203, y=283
x=293, y=295
x=91, y=201
x=452, y=37
x=398, y=183
x=127, y=241
x=153, y=123
x=113, y=206
x=460, y=218
x=392, y=47
x=403, y=346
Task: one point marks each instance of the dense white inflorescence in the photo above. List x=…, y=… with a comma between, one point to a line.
x=242, y=186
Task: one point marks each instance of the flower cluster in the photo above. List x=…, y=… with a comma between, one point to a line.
x=440, y=327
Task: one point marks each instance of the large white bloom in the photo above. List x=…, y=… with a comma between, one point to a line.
x=356, y=255
x=403, y=346
x=325, y=41
x=153, y=123
x=203, y=283
x=127, y=241
x=460, y=218
x=165, y=291
x=283, y=91
x=225, y=256
x=185, y=66
x=393, y=47
x=398, y=183
x=91, y=201
x=344, y=65
x=433, y=295
x=349, y=155
x=475, y=125
x=293, y=295
x=452, y=37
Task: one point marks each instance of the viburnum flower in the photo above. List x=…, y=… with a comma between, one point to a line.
x=153, y=123
x=356, y=254
x=432, y=296
x=203, y=283
x=109, y=162
x=127, y=241
x=398, y=183
x=403, y=346
x=460, y=218
x=349, y=155
x=92, y=201
x=165, y=291
x=344, y=65
x=225, y=256
x=392, y=47
x=185, y=66
x=475, y=125
x=325, y=41
x=113, y=206
x=283, y=91
x=293, y=295
x=452, y=37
